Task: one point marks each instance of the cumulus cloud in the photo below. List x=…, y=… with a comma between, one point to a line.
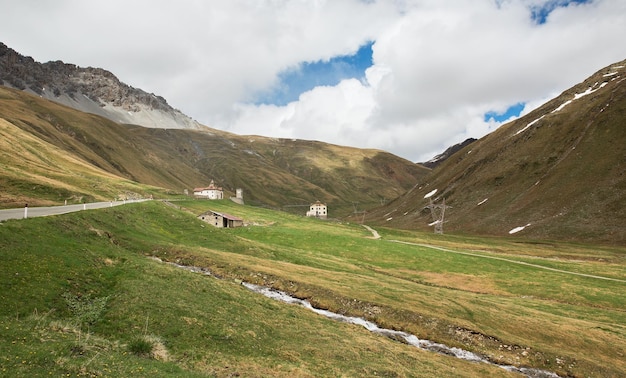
x=438, y=66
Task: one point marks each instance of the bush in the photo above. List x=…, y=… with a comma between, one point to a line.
x=140, y=347
x=85, y=309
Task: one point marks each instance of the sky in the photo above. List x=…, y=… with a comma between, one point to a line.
x=411, y=77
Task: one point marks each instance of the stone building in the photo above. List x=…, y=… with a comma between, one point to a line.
x=221, y=220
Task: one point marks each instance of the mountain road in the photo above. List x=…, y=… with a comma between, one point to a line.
x=29, y=212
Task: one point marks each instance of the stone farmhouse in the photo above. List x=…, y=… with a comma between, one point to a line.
x=211, y=192
x=221, y=220
x=317, y=210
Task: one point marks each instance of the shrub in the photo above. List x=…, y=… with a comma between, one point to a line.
x=141, y=347
x=85, y=309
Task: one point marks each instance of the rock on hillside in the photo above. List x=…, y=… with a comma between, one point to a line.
x=92, y=90
x=557, y=173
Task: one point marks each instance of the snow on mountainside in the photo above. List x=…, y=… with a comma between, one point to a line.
x=608, y=77
x=92, y=90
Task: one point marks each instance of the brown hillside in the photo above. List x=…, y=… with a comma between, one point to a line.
x=560, y=171
x=272, y=172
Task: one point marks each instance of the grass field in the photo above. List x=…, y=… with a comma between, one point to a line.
x=82, y=297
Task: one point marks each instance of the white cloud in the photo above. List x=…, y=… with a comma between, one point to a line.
x=438, y=65
x=439, y=68
x=338, y=112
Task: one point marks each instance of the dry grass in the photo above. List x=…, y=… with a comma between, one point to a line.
x=466, y=282
x=40, y=173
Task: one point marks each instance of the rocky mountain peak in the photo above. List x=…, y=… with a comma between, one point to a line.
x=437, y=160
x=92, y=90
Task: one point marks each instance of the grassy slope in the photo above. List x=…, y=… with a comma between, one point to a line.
x=271, y=172
x=565, y=175
x=570, y=324
x=36, y=172
x=49, y=157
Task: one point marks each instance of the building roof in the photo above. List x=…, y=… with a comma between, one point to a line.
x=210, y=187
x=230, y=217
x=207, y=188
x=223, y=215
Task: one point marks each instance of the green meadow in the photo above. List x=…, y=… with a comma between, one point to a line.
x=83, y=294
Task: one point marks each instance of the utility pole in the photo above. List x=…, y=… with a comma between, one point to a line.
x=355, y=205
x=357, y=212
x=438, y=212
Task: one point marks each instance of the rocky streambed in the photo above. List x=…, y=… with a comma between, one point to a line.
x=408, y=338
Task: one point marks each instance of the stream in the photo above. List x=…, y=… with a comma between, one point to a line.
x=373, y=327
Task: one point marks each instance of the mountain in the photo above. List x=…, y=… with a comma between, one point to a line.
x=45, y=144
x=557, y=173
x=91, y=90
x=437, y=160
x=171, y=151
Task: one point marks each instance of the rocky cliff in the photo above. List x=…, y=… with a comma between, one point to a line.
x=92, y=90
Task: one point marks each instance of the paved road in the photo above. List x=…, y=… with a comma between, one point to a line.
x=55, y=210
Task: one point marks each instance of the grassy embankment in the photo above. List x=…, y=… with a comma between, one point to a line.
x=80, y=297
x=41, y=174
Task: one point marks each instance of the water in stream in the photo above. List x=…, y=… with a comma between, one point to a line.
x=396, y=335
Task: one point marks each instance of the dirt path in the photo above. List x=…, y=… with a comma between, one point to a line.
x=375, y=233
x=509, y=260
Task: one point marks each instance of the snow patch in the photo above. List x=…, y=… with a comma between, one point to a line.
x=589, y=90
x=518, y=229
x=562, y=106
x=530, y=124
x=431, y=193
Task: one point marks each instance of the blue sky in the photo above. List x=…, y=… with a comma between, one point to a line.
x=513, y=111
x=309, y=75
x=539, y=14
